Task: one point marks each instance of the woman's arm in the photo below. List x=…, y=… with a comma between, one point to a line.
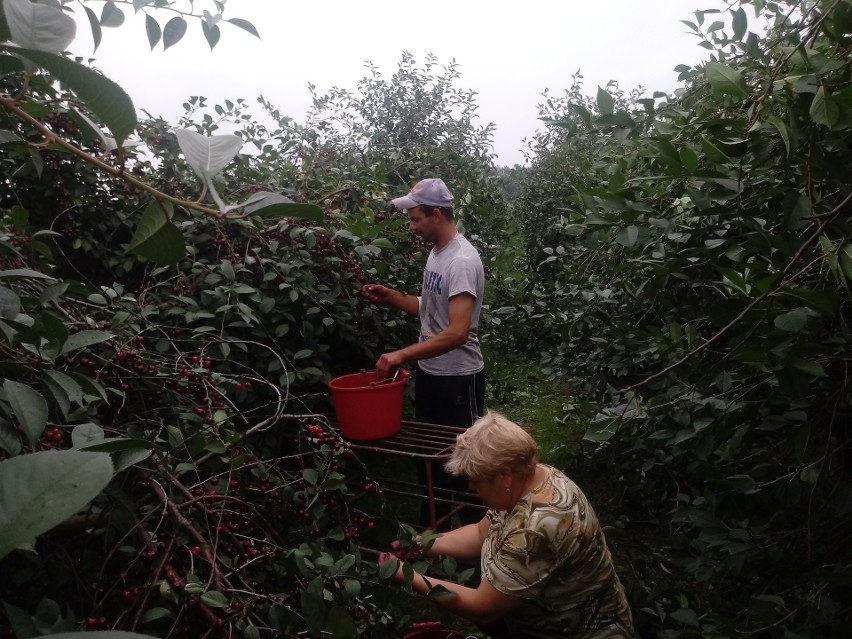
x=461, y=543
x=484, y=604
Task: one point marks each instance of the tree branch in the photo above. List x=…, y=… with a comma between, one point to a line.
x=779, y=279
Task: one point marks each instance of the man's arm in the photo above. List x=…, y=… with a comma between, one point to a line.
x=384, y=295
x=456, y=334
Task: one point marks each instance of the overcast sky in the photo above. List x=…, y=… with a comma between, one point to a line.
x=508, y=52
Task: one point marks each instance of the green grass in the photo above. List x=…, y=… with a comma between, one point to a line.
x=517, y=388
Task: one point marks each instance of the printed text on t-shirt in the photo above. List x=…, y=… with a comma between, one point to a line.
x=432, y=282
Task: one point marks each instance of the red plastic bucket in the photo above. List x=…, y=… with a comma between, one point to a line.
x=365, y=409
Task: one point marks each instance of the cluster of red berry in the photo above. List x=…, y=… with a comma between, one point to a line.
x=52, y=438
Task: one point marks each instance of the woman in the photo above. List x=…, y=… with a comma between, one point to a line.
x=546, y=568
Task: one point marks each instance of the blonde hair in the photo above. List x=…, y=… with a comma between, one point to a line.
x=492, y=445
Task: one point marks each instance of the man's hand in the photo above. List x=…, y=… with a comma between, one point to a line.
x=388, y=363
x=377, y=293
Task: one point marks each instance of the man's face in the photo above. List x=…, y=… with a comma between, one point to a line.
x=426, y=226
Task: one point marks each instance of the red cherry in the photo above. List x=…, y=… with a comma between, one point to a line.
x=196, y=550
x=140, y=339
x=91, y=622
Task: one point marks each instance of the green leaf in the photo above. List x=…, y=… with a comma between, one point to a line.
x=152, y=29
x=725, y=80
x=303, y=353
x=340, y=623
x=9, y=64
x=685, y=616
x=9, y=137
x=25, y=272
x=157, y=238
x=29, y=406
x=844, y=259
x=85, y=434
x=605, y=102
x=208, y=154
x=723, y=381
x=102, y=96
x=262, y=199
x=781, y=127
x=823, y=110
x=153, y=614
x=314, y=607
x=388, y=569
x=60, y=397
x=73, y=391
x=810, y=474
x=211, y=33
x=688, y=158
x=95, y=25
x=91, y=386
x=823, y=302
x=245, y=25
x=713, y=152
x=311, y=476
x=53, y=330
x=82, y=339
x=52, y=292
x=601, y=430
x=174, y=30
x=40, y=490
x=627, y=237
x=310, y=212
x=813, y=369
x=228, y=270
x=792, y=321
x=40, y=27
x=118, y=444
x=214, y=599
x=739, y=24
x=111, y=16
x=10, y=303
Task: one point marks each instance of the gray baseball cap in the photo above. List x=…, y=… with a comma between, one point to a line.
x=428, y=192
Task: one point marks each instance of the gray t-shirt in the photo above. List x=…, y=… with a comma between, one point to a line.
x=454, y=269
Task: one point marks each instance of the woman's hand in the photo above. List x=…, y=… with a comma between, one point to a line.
x=387, y=556
x=410, y=553
x=401, y=554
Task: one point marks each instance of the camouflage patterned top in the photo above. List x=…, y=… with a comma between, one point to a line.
x=553, y=554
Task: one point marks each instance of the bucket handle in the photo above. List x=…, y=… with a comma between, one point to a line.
x=387, y=380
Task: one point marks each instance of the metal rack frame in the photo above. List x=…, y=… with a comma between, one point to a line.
x=430, y=444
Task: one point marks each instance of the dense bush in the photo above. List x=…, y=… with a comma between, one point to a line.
x=695, y=282
x=165, y=464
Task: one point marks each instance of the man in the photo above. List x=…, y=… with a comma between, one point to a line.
x=449, y=385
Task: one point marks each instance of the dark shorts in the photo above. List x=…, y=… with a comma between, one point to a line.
x=451, y=400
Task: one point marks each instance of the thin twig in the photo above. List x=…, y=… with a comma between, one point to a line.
x=778, y=280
